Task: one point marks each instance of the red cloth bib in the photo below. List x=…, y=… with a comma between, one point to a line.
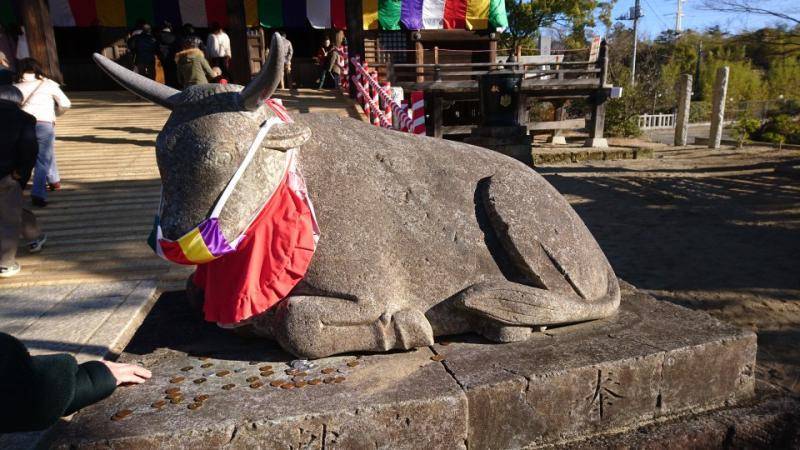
x=269, y=261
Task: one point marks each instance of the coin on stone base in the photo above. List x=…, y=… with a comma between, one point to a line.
x=121, y=414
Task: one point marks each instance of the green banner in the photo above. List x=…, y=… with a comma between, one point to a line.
x=497, y=15
x=270, y=13
x=389, y=14
x=138, y=9
x=7, y=13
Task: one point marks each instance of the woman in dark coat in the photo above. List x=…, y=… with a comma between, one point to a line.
x=38, y=390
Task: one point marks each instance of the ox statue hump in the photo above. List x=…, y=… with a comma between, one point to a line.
x=420, y=236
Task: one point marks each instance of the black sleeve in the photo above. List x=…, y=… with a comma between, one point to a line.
x=93, y=382
x=27, y=150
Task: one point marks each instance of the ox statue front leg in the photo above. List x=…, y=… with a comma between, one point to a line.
x=318, y=326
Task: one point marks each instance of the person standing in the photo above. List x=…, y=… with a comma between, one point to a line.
x=218, y=46
x=192, y=67
x=167, y=48
x=17, y=158
x=145, y=47
x=323, y=60
x=7, y=75
x=286, y=80
x=44, y=100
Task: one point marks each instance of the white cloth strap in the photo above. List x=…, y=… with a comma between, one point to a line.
x=262, y=133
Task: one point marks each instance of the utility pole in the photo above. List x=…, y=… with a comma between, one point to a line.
x=678, y=16
x=634, y=14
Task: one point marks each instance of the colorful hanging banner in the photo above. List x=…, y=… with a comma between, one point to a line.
x=111, y=13
x=498, y=18
x=454, y=14
x=338, y=18
x=193, y=12
x=61, y=13
x=251, y=12
x=297, y=14
x=389, y=14
x=432, y=14
x=7, y=13
x=136, y=10
x=369, y=16
x=319, y=13
x=167, y=11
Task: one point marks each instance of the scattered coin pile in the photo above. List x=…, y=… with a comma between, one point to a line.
x=299, y=374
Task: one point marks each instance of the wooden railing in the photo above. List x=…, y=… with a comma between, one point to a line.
x=462, y=71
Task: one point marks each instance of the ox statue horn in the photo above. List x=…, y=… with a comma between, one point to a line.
x=142, y=86
x=265, y=84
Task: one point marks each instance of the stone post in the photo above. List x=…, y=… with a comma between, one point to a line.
x=684, y=103
x=718, y=107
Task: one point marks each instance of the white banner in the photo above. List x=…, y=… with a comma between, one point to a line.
x=319, y=13
x=61, y=13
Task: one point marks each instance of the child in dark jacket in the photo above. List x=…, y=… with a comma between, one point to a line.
x=38, y=390
x=17, y=157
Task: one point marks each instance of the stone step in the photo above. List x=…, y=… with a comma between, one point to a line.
x=651, y=362
x=557, y=154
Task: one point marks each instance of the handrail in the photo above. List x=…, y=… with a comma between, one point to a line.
x=515, y=64
x=397, y=110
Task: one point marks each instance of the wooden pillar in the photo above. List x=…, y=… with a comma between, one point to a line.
x=237, y=31
x=597, y=124
x=355, y=36
x=35, y=16
x=436, y=117
x=419, y=55
x=492, y=49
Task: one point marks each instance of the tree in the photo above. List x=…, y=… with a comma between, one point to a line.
x=527, y=17
x=768, y=8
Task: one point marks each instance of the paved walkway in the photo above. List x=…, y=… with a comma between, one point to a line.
x=88, y=291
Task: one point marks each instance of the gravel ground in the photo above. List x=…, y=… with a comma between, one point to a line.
x=712, y=230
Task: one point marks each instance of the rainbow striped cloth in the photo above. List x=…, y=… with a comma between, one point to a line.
x=435, y=14
x=200, y=13
x=198, y=246
x=383, y=14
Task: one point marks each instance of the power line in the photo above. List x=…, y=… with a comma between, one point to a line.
x=655, y=13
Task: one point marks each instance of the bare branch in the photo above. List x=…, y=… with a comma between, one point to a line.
x=751, y=7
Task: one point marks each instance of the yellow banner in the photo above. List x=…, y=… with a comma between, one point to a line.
x=370, y=14
x=111, y=13
x=251, y=12
x=477, y=14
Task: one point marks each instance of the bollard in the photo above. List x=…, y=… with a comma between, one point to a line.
x=418, y=112
x=387, y=102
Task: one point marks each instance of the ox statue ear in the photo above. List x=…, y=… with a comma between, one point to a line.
x=285, y=136
x=142, y=86
x=266, y=82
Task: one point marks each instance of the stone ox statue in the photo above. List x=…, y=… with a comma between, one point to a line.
x=420, y=236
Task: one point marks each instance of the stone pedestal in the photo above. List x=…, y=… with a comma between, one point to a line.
x=557, y=139
x=652, y=361
x=684, y=104
x=596, y=143
x=513, y=141
x=718, y=107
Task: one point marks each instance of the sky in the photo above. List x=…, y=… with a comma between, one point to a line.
x=659, y=15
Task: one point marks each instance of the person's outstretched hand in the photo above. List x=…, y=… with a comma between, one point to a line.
x=128, y=373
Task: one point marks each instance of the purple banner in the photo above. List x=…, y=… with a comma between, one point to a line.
x=411, y=14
